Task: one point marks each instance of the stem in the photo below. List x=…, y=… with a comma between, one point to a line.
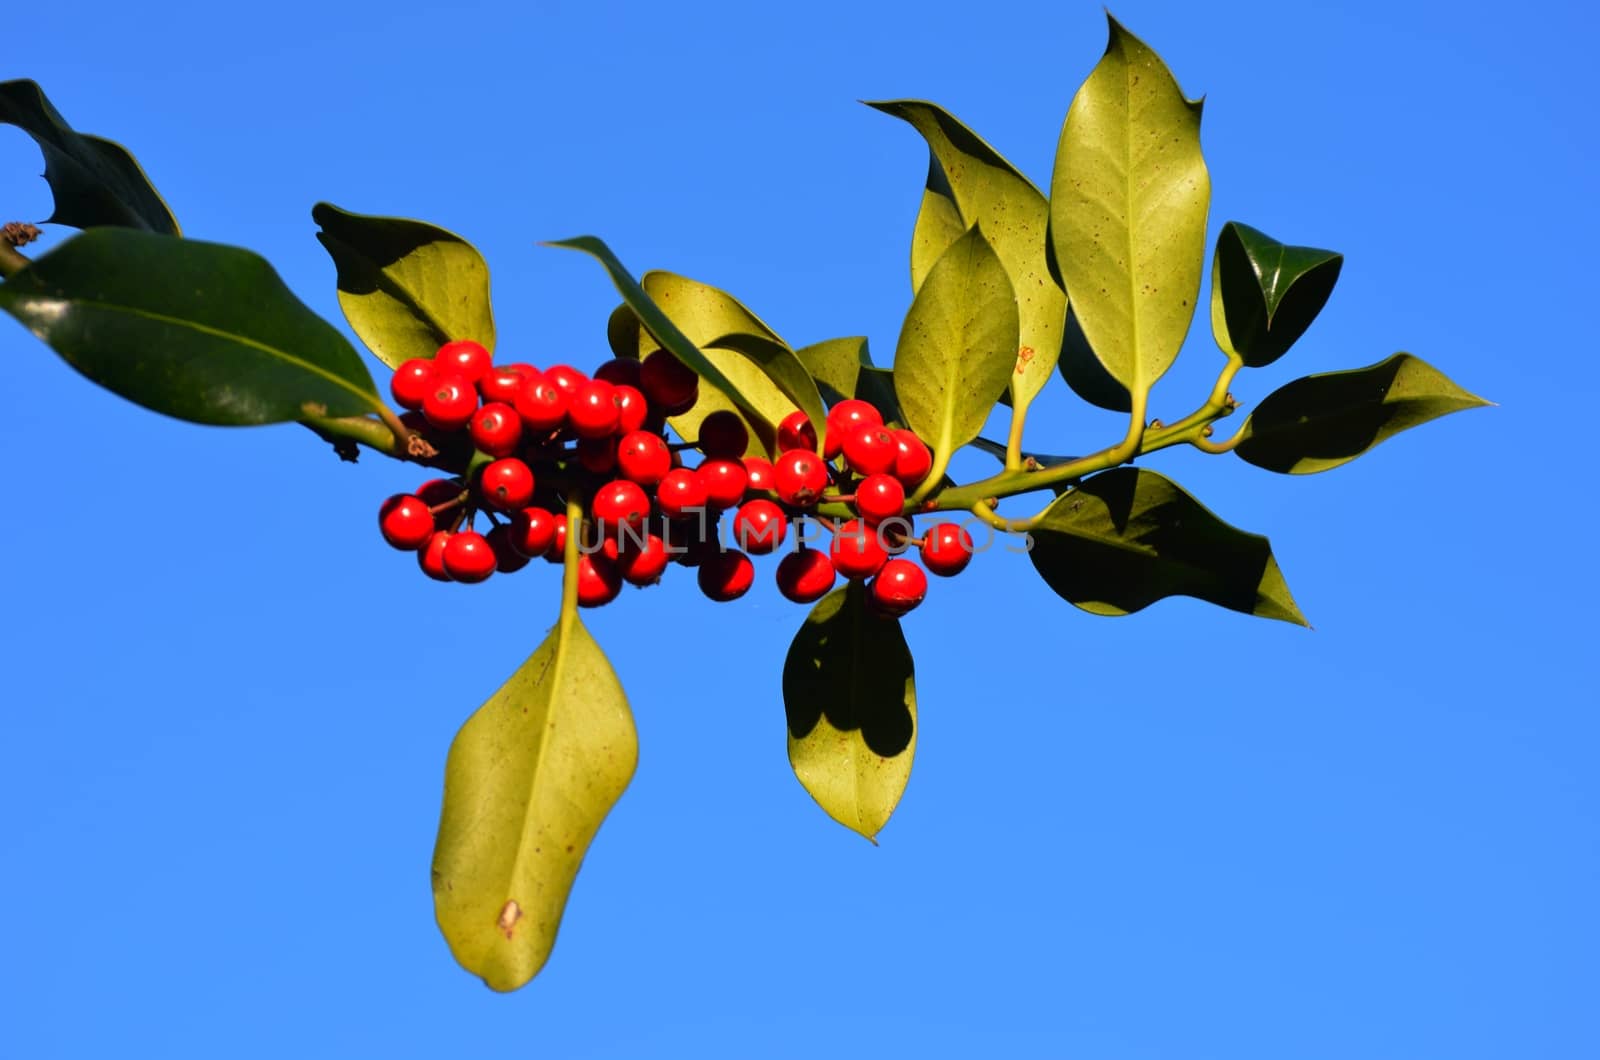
x=1010, y=526
x=12, y=261
x=1019, y=416
x=569, y=562
x=360, y=429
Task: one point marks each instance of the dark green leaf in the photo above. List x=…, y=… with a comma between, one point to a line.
x=406, y=287
x=1129, y=537
x=1128, y=207
x=1264, y=294
x=1322, y=421
x=1085, y=373
x=970, y=183
x=529, y=779
x=622, y=333
x=200, y=331
x=956, y=351
x=95, y=181
x=850, y=697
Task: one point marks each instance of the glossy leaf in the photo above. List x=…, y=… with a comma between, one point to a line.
x=406, y=287
x=200, y=331
x=94, y=181
x=1322, y=421
x=1129, y=537
x=740, y=385
x=1128, y=207
x=850, y=697
x=1264, y=294
x=957, y=345
x=780, y=365
x=970, y=183
x=529, y=779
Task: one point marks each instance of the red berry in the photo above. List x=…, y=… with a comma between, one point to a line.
x=912, y=461
x=533, y=530
x=879, y=496
x=412, y=381
x=541, y=404
x=849, y=413
x=619, y=504
x=468, y=557
x=681, y=492
x=633, y=411
x=643, y=563
x=723, y=435
x=405, y=522
x=463, y=357
x=869, y=449
x=726, y=575
x=450, y=403
x=599, y=580
x=690, y=541
x=502, y=383
x=437, y=491
x=597, y=454
x=671, y=385
x=899, y=587
x=507, y=559
x=619, y=372
x=724, y=480
x=566, y=379
x=557, y=552
x=796, y=432
x=947, y=550
x=856, y=551
x=496, y=429
x=593, y=411
x=759, y=527
x=805, y=576
x=758, y=474
x=644, y=457
x=799, y=477
x=431, y=556
x=506, y=484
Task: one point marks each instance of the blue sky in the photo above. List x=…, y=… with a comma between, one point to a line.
x=1181, y=834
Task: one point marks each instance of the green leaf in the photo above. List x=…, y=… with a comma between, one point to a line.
x=851, y=700
x=740, y=385
x=1322, y=421
x=843, y=369
x=529, y=779
x=1084, y=372
x=970, y=183
x=94, y=181
x=1128, y=211
x=780, y=365
x=623, y=333
x=1264, y=294
x=1129, y=537
x=200, y=331
x=957, y=346
x=406, y=287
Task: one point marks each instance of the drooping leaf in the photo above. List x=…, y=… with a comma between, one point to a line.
x=94, y=181
x=780, y=365
x=1084, y=372
x=1129, y=537
x=1128, y=207
x=1322, y=421
x=1264, y=294
x=528, y=781
x=406, y=287
x=200, y=331
x=740, y=385
x=956, y=348
x=970, y=183
x=850, y=698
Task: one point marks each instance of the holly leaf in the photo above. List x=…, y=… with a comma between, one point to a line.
x=200, y=331
x=1264, y=294
x=1128, y=203
x=1129, y=537
x=1321, y=421
x=94, y=181
x=406, y=287
x=850, y=697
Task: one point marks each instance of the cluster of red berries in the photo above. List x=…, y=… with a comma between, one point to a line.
x=529, y=438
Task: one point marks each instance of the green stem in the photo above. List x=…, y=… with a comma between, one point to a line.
x=1010, y=526
x=1019, y=416
x=12, y=261
x=569, y=562
x=362, y=430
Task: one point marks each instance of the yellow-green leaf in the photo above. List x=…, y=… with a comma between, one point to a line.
x=1128, y=207
x=528, y=781
x=970, y=183
x=850, y=697
x=406, y=287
